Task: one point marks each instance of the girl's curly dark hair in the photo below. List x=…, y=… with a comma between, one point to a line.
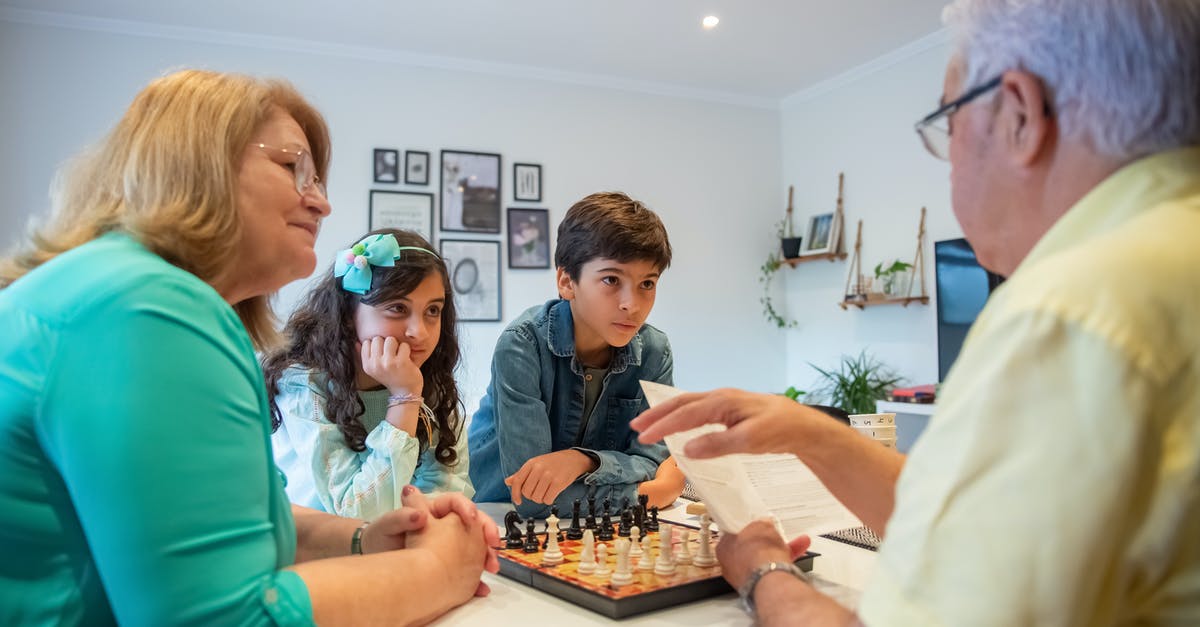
x=320, y=335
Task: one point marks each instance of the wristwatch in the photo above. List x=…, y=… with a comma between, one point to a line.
x=746, y=592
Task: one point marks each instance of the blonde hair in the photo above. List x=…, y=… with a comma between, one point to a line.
x=167, y=174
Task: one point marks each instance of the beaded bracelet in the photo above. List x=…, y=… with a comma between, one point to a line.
x=404, y=399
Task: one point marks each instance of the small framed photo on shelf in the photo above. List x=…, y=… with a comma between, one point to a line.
x=527, y=182
x=821, y=236
x=416, y=167
x=474, y=267
x=411, y=211
x=387, y=165
x=470, y=191
x=528, y=238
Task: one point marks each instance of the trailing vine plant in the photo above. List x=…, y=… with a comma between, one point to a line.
x=766, y=273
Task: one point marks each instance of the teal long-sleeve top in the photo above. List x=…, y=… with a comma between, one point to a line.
x=136, y=478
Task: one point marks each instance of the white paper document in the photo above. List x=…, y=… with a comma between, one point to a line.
x=738, y=489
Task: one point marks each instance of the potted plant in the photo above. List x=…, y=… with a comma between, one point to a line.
x=789, y=244
x=766, y=273
x=894, y=279
x=856, y=383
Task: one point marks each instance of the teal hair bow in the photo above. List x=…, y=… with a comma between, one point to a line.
x=354, y=264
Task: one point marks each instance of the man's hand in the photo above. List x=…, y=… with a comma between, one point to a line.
x=542, y=478
x=757, y=544
x=757, y=423
x=388, y=361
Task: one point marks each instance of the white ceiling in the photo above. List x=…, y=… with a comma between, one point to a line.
x=762, y=51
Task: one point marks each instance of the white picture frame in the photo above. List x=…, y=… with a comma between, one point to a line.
x=409, y=211
x=474, y=268
x=822, y=235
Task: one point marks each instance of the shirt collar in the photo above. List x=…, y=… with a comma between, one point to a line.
x=1124, y=195
x=560, y=337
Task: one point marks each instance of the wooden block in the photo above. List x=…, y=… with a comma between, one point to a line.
x=696, y=509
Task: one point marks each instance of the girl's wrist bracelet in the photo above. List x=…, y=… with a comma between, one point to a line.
x=404, y=399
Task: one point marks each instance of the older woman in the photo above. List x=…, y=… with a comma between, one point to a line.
x=137, y=483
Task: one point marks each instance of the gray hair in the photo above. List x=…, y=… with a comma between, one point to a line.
x=1123, y=75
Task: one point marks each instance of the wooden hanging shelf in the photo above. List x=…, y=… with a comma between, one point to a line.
x=794, y=261
x=861, y=298
x=880, y=299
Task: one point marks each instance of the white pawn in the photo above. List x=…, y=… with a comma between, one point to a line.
x=683, y=554
x=623, y=575
x=704, y=557
x=646, y=562
x=587, y=559
x=602, y=560
x=665, y=565
x=635, y=539
x=553, y=554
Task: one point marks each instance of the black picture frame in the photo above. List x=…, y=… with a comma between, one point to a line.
x=416, y=167
x=528, y=238
x=474, y=269
x=387, y=165
x=411, y=211
x=527, y=182
x=470, y=191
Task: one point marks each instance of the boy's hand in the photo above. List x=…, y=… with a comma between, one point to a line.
x=542, y=478
x=388, y=361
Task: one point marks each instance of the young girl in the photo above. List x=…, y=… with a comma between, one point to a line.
x=363, y=394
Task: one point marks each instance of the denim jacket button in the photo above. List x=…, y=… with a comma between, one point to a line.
x=587, y=377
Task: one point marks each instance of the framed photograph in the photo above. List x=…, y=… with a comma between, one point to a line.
x=411, y=211
x=416, y=167
x=821, y=236
x=387, y=165
x=470, y=191
x=528, y=238
x=527, y=182
x=474, y=268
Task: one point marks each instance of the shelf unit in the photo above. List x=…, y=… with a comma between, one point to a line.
x=862, y=299
x=795, y=261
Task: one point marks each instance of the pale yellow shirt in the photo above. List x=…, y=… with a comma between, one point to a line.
x=1059, y=481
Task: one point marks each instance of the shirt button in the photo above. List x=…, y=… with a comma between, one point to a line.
x=587, y=377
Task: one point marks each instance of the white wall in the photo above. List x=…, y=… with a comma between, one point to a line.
x=862, y=124
x=712, y=171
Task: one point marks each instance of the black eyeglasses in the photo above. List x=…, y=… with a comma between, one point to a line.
x=934, y=128
x=303, y=169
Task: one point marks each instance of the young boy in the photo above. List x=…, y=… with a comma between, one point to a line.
x=554, y=424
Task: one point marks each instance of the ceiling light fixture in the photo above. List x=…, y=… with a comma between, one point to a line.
x=710, y=22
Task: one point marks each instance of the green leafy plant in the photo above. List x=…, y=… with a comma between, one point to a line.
x=897, y=266
x=793, y=393
x=766, y=273
x=856, y=383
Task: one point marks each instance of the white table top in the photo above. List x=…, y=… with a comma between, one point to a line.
x=841, y=571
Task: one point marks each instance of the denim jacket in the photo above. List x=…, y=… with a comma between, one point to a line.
x=534, y=406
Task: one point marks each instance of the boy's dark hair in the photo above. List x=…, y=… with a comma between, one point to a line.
x=610, y=225
x=320, y=335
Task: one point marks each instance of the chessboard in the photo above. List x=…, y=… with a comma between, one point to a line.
x=646, y=592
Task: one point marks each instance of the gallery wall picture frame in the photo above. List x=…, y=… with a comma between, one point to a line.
x=416, y=167
x=470, y=198
x=410, y=211
x=821, y=236
x=528, y=238
x=527, y=182
x=387, y=165
x=474, y=269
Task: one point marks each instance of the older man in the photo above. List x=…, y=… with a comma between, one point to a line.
x=1059, y=482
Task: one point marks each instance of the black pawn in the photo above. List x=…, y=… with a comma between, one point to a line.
x=652, y=524
x=512, y=524
x=531, y=540
x=623, y=529
x=575, y=532
x=606, y=525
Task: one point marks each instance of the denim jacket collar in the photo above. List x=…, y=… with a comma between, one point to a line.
x=560, y=337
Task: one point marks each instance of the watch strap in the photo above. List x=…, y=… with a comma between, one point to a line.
x=746, y=592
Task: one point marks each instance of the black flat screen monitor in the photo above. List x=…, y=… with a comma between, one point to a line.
x=963, y=287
